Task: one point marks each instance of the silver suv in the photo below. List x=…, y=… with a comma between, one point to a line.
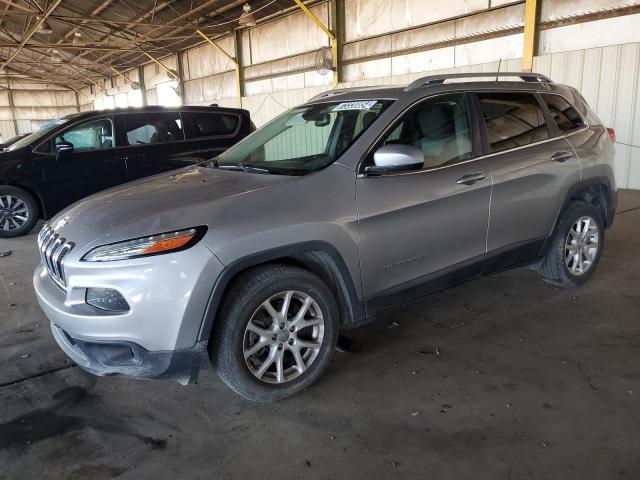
x=336, y=211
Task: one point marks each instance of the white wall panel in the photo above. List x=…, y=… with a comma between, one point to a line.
x=287, y=36
x=611, y=31
x=7, y=129
x=557, y=9
x=365, y=18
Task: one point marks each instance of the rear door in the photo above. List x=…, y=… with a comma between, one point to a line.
x=91, y=167
x=153, y=142
x=532, y=169
x=214, y=132
x=416, y=228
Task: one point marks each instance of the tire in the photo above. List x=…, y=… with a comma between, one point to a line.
x=562, y=267
x=18, y=212
x=248, y=302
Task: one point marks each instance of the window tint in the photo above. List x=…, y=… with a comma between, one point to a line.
x=93, y=135
x=439, y=127
x=566, y=117
x=512, y=119
x=144, y=129
x=213, y=124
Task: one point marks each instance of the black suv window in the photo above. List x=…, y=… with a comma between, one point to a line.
x=512, y=119
x=212, y=124
x=150, y=128
x=567, y=118
x=439, y=127
x=92, y=135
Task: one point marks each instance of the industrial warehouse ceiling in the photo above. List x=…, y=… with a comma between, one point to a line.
x=72, y=42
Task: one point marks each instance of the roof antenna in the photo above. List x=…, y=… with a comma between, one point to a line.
x=498, y=72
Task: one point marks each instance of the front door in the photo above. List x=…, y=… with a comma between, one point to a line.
x=91, y=167
x=417, y=228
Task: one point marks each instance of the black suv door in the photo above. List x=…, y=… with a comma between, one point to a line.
x=215, y=131
x=153, y=142
x=91, y=166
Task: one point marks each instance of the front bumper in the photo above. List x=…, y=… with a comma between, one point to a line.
x=130, y=360
x=157, y=337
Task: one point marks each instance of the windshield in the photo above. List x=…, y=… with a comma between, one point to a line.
x=38, y=134
x=304, y=139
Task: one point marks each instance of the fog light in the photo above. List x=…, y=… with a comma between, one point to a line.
x=107, y=299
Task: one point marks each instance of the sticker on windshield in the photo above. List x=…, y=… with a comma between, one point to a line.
x=362, y=105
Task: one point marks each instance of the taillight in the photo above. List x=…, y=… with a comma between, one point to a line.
x=612, y=134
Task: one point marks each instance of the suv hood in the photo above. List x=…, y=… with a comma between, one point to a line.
x=163, y=203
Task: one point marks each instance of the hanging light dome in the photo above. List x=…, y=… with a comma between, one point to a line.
x=247, y=19
x=77, y=36
x=55, y=56
x=45, y=28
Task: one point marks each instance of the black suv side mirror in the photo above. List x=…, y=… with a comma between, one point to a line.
x=63, y=149
x=396, y=158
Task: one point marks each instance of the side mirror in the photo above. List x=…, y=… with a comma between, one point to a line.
x=396, y=158
x=64, y=148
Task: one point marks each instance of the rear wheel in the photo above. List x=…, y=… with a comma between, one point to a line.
x=18, y=212
x=278, y=328
x=576, y=246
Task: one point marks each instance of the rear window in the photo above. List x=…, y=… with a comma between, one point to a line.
x=145, y=129
x=565, y=115
x=213, y=124
x=512, y=119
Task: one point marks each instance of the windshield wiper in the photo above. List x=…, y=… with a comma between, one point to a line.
x=244, y=168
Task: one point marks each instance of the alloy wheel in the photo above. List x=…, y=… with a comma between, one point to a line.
x=14, y=213
x=283, y=337
x=581, y=245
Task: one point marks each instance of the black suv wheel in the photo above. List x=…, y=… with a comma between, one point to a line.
x=278, y=328
x=575, y=247
x=18, y=212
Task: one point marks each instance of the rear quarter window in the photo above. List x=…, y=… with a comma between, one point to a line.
x=512, y=119
x=213, y=124
x=565, y=115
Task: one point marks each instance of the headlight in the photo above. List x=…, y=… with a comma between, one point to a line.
x=146, y=246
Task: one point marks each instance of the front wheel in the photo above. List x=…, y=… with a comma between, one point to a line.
x=575, y=247
x=278, y=328
x=18, y=212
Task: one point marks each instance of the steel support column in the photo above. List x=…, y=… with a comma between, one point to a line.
x=531, y=15
x=142, y=86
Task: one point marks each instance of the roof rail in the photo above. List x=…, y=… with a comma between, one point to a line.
x=338, y=91
x=330, y=93
x=440, y=79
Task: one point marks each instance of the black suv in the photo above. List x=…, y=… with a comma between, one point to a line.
x=83, y=153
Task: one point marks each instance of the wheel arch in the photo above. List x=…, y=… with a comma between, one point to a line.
x=596, y=191
x=319, y=257
x=34, y=193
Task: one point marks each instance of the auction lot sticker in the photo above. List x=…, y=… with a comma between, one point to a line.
x=361, y=105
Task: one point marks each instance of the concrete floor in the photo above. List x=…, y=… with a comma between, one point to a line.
x=531, y=381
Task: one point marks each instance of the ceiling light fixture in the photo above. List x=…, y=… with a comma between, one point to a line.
x=247, y=19
x=45, y=28
x=77, y=36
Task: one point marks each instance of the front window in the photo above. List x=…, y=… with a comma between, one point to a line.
x=305, y=139
x=93, y=135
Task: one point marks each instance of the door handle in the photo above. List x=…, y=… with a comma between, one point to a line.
x=561, y=156
x=471, y=178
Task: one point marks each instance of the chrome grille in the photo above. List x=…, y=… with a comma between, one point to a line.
x=53, y=249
